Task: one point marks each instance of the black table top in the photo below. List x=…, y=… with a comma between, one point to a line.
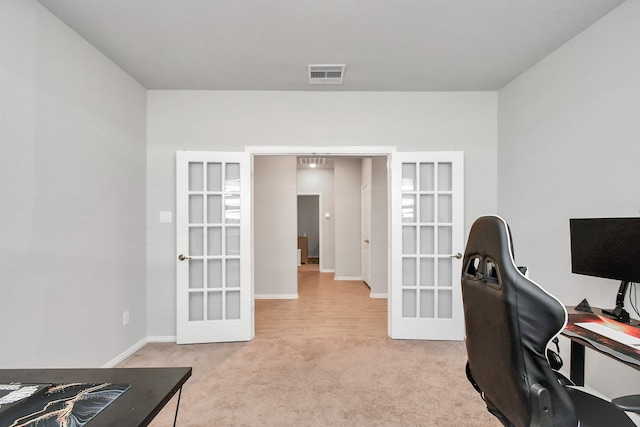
x=151, y=389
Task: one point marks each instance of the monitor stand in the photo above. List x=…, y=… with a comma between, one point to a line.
x=619, y=313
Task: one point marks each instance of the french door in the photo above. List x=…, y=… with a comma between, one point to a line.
x=213, y=241
x=427, y=242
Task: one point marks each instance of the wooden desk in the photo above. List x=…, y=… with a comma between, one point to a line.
x=582, y=338
x=151, y=389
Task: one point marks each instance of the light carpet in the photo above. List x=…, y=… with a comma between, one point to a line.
x=320, y=382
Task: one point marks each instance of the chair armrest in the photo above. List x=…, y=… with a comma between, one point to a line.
x=629, y=403
x=541, y=413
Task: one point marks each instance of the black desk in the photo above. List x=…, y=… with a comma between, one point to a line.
x=151, y=389
x=582, y=338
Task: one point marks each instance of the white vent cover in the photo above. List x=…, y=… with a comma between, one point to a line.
x=325, y=74
x=315, y=161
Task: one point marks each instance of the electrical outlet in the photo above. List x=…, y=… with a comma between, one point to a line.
x=125, y=318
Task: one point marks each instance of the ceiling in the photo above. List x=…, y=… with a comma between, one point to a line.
x=399, y=45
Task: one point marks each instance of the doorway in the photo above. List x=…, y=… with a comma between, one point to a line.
x=422, y=203
x=331, y=196
x=309, y=235
x=339, y=184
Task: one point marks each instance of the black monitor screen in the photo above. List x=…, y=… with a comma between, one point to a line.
x=606, y=247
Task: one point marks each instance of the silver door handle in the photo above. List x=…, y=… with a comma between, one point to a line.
x=458, y=255
x=182, y=257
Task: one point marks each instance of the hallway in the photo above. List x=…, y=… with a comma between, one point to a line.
x=324, y=308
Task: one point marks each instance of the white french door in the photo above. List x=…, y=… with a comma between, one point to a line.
x=427, y=223
x=213, y=240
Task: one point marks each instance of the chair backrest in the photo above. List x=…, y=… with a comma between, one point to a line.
x=509, y=322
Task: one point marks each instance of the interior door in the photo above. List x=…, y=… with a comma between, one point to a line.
x=213, y=236
x=366, y=233
x=427, y=242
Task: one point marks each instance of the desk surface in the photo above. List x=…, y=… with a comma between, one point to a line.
x=151, y=389
x=597, y=342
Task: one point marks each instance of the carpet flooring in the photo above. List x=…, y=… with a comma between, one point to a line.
x=320, y=382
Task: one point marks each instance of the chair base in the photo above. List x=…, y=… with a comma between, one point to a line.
x=593, y=411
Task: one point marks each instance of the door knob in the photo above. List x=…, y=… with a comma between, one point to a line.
x=366, y=240
x=458, y=255
x=182, y=257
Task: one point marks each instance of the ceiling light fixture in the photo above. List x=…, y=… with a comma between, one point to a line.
x=312, y=162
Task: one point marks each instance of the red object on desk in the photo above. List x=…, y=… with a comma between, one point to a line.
x=583, y=338
x=627, y=329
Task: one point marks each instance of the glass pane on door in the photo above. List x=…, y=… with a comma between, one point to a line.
x=196, y=176
x=196, y=274
x=214, y=238
x=426, y=232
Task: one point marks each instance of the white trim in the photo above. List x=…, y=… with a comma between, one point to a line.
x=333, y=150
x=128, y=352
x=275, y=296
x=162, y=338
x=348, y=278
x=378, y=295
x=327, y=270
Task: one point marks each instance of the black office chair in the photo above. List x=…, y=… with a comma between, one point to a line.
x=510, y=321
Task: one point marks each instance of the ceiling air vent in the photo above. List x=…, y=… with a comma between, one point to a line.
x=325, y=74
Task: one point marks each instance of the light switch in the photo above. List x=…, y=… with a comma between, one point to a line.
x=166, y=216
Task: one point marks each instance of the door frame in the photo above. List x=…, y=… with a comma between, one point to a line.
x=346, y=151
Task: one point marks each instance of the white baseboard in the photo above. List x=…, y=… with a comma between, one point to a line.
x=348, y=278
x=128, y=352
x=162, y=338
x=137, y=346
x=275, y=296
x=377, y=295
x=327, y=270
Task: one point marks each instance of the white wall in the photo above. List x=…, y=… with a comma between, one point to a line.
x=569, y=144
x=72, y=185
x=231, y=120
x=275, y=234
x=347, y=183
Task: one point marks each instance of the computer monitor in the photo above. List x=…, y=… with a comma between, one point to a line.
x=607, y=248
